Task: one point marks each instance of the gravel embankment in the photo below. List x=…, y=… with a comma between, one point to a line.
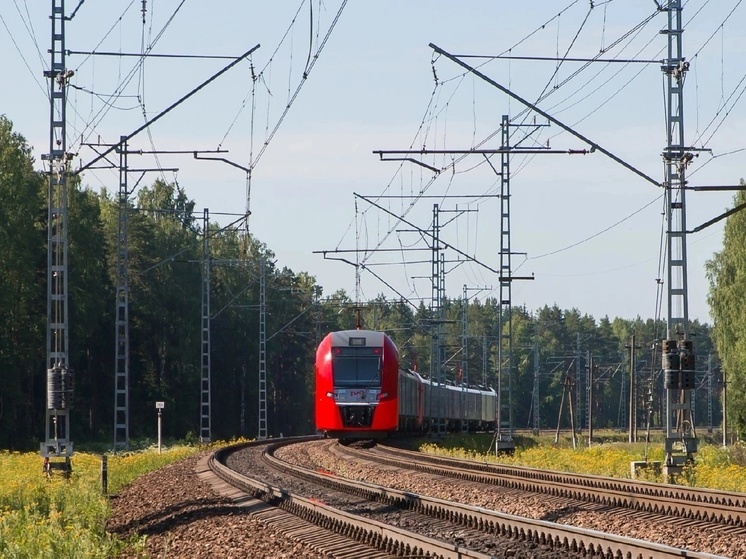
x=183, y=517
x=722, y=541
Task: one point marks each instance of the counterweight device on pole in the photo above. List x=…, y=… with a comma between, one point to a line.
x=677, y=350
x=57, y=443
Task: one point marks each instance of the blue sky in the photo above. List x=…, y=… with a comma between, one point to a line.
x=589, y=230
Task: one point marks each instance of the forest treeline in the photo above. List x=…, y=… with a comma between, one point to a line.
x=552, y=347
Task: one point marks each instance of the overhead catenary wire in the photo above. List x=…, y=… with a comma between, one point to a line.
x=170, y=108
x=258, y=75
x=124, y=82
x=421, y=178
x=725, y=108
x=566, y=82
x=141, y=86
x=523, y=113
x=492, y=135
x=646, y=61
x=718, y=28
x=607, y=99
x=598, y=233
x=20, y=53
x=297, y=91
x=29, y=26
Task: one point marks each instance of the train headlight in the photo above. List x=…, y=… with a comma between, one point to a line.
x=331, y=395
x=383, y=395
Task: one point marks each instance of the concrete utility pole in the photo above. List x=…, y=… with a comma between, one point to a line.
x=725, y=417
x=677, y=351
x=623, y=405
x=566, y=390
x=57, y=442
x=632, y=346
x=578, y=384
x=590, y=399
x=709, y=393
x=464, y=374
x=535, y=392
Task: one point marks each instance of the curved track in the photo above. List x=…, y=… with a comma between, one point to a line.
x=433, y=526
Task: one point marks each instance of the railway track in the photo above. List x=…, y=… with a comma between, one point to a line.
x=335, y=532
x=702, y=505
x=424, y=526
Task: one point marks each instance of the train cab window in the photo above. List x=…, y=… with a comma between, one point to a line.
x=354, y=369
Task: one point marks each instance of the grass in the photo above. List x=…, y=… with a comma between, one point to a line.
x=65, y=518
x=56, y=517
x=715, y=467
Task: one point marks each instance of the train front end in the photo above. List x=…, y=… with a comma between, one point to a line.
x=357, y=374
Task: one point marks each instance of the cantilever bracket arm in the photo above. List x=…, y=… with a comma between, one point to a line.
x=411, y=160
x=364, y=267
x=167, y=110
x=428, y=233
x=224, y=160
x=550, y=118
x=718, y=218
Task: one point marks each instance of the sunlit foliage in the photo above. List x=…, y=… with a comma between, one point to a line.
x=722, y=468
x=56, y=517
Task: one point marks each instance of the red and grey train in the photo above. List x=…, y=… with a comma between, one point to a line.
x=361, y=392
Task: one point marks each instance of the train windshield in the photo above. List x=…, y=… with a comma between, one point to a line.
x=353, y=371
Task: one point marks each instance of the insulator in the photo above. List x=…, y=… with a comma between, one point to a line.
x=669, y=346
x=687, y=345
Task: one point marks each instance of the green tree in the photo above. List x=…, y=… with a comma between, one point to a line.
x=726, y=272
x=22, y=283
x=91, y=311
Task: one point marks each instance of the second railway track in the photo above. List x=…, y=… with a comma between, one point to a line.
x=706, y=505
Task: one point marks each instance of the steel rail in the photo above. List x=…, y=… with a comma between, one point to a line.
x=708, y=505
x=382, y=536
x=559, y=536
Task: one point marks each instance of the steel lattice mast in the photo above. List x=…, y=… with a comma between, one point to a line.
x=678, y=351
x=504, y=424
x=262, y=349
x=205, y=431
x=59, y=377
x=122, y=341
x=437, y=278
